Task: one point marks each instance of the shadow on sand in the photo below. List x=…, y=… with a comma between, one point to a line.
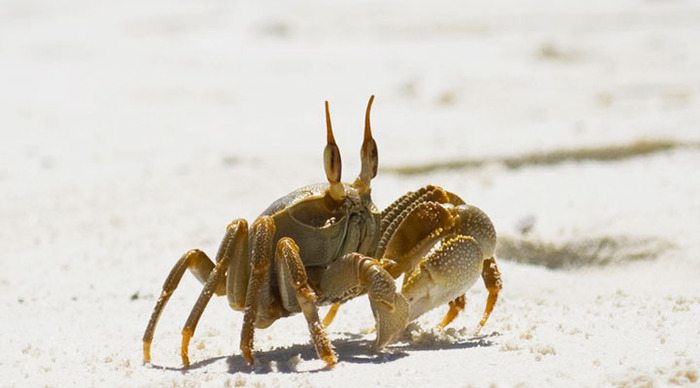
x=353, y=348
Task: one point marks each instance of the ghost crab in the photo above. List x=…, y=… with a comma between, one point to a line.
x=327, y=243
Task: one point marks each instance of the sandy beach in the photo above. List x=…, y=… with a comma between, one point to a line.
x=132, y=132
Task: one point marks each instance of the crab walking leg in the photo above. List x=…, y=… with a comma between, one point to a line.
x=239, y=265
x=210, y=287
x=201, y=266
x=389, y=307
x=456, y=307
x=263, y=233
x=493, y=283
x=236, y=235
x=288, y=253
x=330, y=315
x=444, y=274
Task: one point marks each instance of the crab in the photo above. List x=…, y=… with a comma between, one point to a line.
x=327, y=243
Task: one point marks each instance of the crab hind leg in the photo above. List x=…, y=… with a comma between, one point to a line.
x=493, y=283
x=200, y=265
x=231, y=252
x=210, y=274
x=213, y=282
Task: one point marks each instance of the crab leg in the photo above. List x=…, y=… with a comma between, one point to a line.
x=263, y=233
x=456, y=307
x=239, y=265
x=201, y=266
x=214, y=280
x=493, y=283
x=236, y=233
x=287, y=255
x=330, y=315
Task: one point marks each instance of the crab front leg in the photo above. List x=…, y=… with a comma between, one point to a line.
x=262, y=308
x=292, y=274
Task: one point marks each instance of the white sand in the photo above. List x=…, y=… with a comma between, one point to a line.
x=133, y=131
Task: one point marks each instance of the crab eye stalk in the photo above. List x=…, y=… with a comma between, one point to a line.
x=368, y=154
x=332, y=162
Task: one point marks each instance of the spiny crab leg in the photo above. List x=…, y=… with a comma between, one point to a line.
x=212, y=283
x=288, y=253
x=261, y=260
x=198, y=262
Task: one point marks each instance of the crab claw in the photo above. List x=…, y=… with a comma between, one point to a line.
x=443, y=275
x=390, y=308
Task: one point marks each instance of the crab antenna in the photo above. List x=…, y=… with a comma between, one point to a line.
x=332, y=162
x=368, y=155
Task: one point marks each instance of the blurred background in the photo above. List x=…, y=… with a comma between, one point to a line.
x=132, y=131
x=120, y=91
x=110, y=111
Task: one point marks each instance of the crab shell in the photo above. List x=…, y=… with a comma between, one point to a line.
x=323, y=228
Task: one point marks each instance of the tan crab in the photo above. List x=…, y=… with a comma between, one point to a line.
x=327, y=243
